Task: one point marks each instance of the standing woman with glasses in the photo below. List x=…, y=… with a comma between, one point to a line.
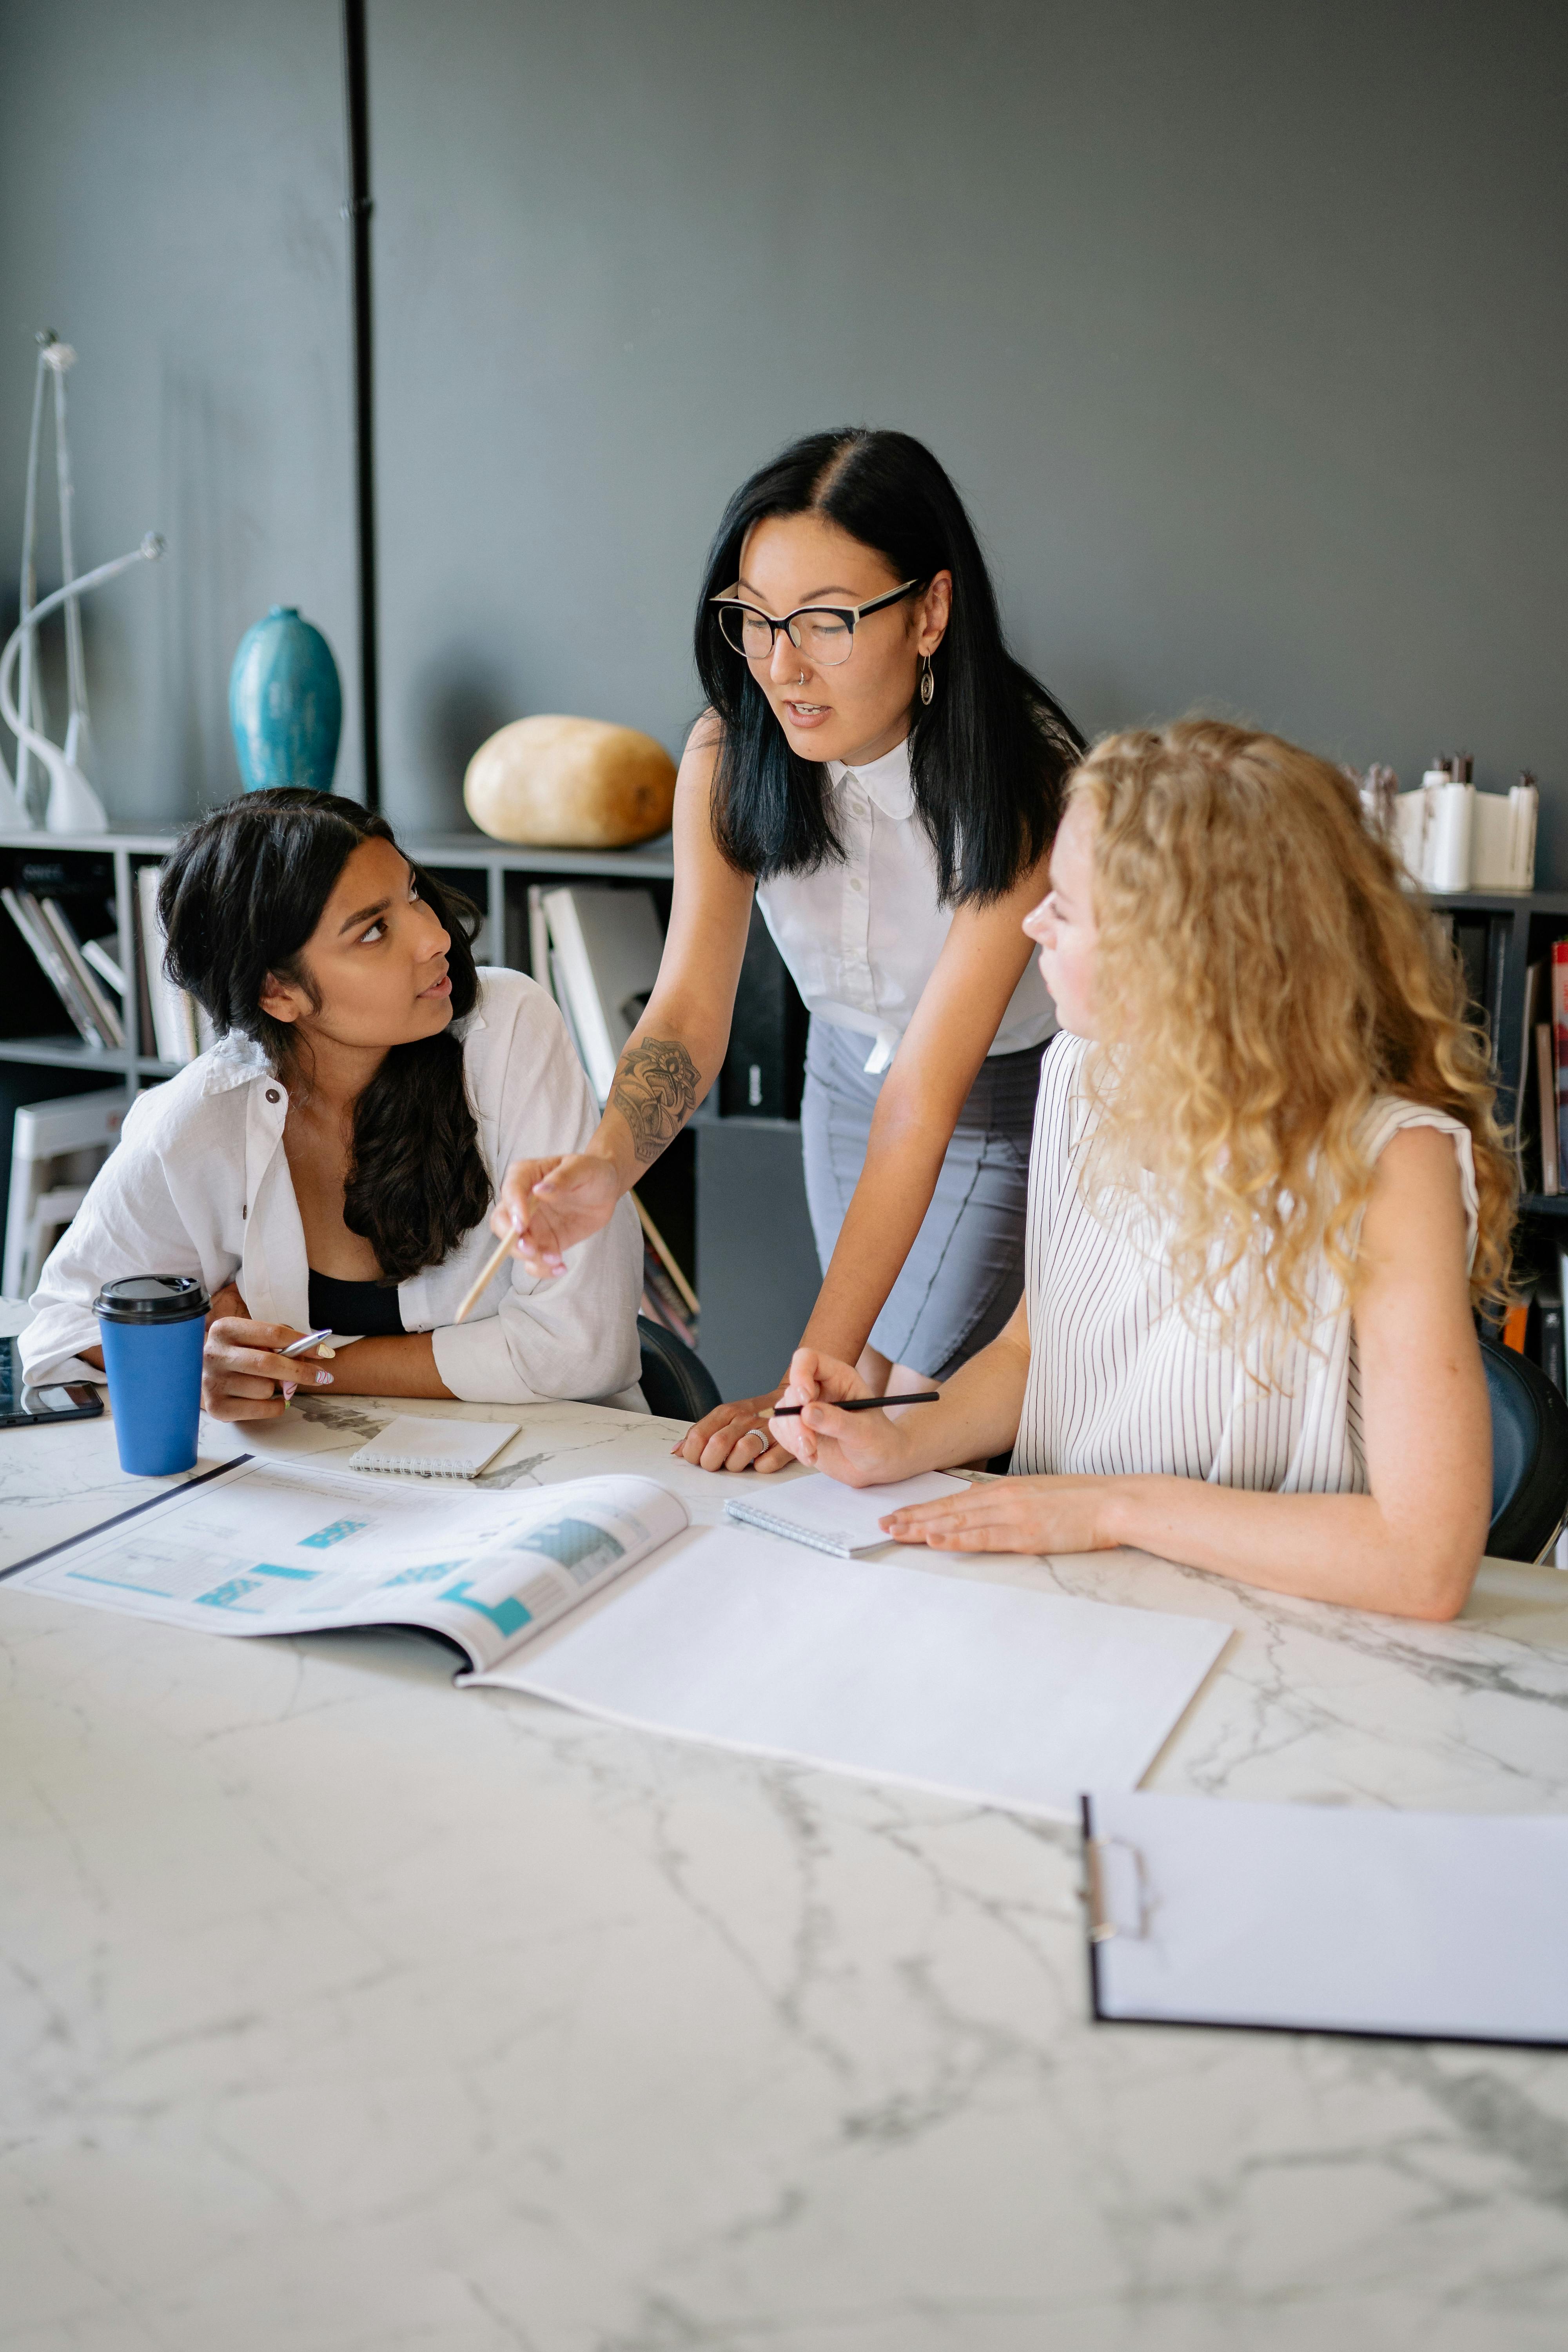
x=881, y=773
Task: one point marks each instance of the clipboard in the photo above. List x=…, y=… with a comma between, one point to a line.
x=1327, y=1919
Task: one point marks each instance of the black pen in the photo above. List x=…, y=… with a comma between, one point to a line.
x=861, y=1404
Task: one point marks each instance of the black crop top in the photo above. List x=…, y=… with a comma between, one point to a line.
x=371, y=1310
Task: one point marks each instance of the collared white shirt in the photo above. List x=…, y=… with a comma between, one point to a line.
x=862, y=939
x=199, y=1184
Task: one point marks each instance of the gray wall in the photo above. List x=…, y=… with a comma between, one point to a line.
x=171, y=178
x=1243, y=329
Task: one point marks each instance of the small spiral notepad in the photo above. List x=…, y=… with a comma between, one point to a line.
x=426, y=1448
x=842, y=1520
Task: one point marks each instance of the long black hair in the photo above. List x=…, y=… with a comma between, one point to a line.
x=238, y=900
x=987, y=757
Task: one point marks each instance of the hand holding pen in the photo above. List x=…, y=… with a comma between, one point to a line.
x=831, y=1419
x=250, y=1369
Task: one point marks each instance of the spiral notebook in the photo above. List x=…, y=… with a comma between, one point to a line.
x=423, y=1447
x=842, y=1520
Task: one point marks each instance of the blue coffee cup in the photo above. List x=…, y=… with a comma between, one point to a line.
x=153, y=1327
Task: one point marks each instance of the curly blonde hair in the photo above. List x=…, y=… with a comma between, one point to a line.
x=1264, y=975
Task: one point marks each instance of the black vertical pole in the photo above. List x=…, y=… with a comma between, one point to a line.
x=358, y=212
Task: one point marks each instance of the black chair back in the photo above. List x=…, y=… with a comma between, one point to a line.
x=675, y=1381
x=1529, y=1456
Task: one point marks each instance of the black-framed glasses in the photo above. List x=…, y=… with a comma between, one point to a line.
x=824, y=634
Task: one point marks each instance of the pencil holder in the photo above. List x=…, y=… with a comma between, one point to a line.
x=153, y=1328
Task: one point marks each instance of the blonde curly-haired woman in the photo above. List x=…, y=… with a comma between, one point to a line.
x=1266, y=1190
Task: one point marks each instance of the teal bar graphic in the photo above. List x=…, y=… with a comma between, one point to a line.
x=323, y=1537
x=229, y=1595
x=509, y=1617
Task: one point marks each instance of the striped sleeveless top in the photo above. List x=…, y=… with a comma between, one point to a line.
x=1120, y=1379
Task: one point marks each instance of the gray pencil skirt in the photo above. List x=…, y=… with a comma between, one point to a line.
x=965, y=1273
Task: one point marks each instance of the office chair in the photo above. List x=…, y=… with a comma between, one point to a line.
x=1529, y=1456
x=675, y=1381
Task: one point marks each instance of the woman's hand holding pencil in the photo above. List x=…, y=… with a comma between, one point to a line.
x=546, y=1205
x=832, y=1419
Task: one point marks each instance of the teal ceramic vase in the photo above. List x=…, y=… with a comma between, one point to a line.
x=285, y=704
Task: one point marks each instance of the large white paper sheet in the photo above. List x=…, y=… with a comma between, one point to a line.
x=1333, y=1918
x=973, y=1690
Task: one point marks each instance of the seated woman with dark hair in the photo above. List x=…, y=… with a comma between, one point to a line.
x=331, y=1160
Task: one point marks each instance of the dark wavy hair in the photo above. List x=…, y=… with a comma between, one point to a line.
x=987, y=757
x=239, y=897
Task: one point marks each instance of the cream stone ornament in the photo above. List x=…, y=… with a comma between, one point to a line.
x=571, y=784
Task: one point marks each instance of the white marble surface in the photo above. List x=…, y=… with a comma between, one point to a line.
x=342, y=2010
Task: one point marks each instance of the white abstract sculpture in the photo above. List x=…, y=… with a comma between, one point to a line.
x=73, y=806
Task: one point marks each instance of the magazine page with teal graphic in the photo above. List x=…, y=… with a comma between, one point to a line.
x=275, y=1548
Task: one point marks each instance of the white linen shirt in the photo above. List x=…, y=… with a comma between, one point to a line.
x=861, y=938
x=199, y=1184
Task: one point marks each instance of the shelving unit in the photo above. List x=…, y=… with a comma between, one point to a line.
x=780, y=1282
x=36, y=1035
x=1526, y=926
x=1531, y=922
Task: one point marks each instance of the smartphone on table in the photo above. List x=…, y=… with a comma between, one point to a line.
x=24, y=1408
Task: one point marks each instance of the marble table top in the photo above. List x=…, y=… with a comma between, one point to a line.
x=342, y=2010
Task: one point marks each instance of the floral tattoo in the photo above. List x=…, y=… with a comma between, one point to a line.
x=655, y=1088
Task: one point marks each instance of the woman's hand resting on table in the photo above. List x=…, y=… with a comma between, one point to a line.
x=549, y=1204
x=735, y=1436
x=243, y=1379
x=1054, y=1514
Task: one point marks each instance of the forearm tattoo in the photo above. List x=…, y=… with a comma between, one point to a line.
x=655, y=1088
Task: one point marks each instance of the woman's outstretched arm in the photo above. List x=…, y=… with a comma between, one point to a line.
x=672, y=1056
x=1410, y=1547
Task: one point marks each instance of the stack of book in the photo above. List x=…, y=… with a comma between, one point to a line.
x=597, y=950
x=52, y=916
x=82, y=973
x=172, y=1019
x=600, y=948
x=667, y=1296
x=1536, y=1325
x=1543, y=1126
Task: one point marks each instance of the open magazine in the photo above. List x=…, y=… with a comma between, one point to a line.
x=873, y=1666
x=271, y=1548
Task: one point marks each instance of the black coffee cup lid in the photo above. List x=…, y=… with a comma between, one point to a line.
x=152, y=1299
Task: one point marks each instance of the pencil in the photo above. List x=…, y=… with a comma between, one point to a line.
x=494, y=1260
x=662, y=1251
x=862, y=1404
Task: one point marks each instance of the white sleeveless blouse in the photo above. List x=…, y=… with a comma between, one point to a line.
x=861, y=937
x=1120, y=1379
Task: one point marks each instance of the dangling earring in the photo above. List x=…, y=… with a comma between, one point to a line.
x=928, y=681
